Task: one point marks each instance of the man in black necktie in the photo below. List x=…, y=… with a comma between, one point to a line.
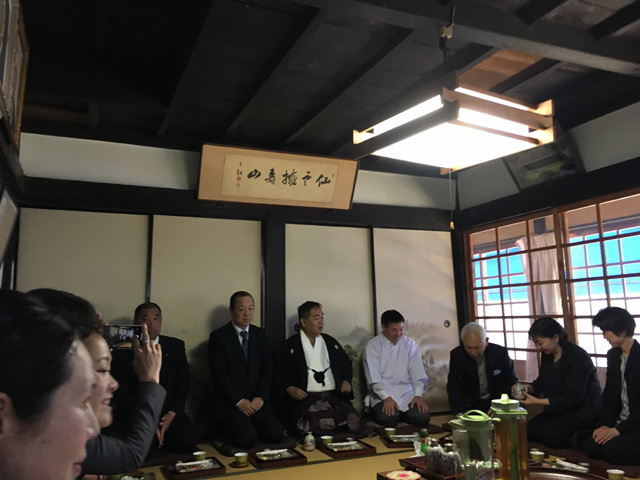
x=175, y=432
x=240, y=365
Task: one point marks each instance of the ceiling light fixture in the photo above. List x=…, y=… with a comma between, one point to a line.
x=458, y=128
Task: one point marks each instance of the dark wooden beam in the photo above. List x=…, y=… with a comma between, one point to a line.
x=107, y=133
x=11, y=173
x=563, y=191
x=484, y=25
x=197, y=27
x=349, y=85
x=606, y=92
x=616, y=22
x=301, y=40
x=529, y=74
x=99, y=197
x=373, y=163
x=273, y=278
x=464, y=59
x=460, y=276
x=534, y=10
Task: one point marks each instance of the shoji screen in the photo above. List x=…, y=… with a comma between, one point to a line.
x=197, y=263
x=414, y=275
x=99, y=256
x=332, y=265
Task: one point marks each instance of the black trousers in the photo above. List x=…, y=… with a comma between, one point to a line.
x=412, y=416
x=182, y=436
x=555, y=431
x=243, y=432
x=621, y=450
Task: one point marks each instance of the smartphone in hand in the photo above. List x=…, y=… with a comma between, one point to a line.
x=121, y=336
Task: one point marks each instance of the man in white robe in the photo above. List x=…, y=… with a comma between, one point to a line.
x=395, y=375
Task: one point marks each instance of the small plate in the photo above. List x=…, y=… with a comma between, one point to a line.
x=235, y=464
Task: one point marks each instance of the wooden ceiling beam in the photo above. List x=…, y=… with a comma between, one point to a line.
x=201, y=22
x=609, y=26
x=287, y=53
x=535, y=10
x=528, y=74
x=616, y=22
x=464, y=59
x=480, y=24
x=405, y=37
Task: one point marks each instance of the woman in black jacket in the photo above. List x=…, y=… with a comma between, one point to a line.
x=567, y=387
x=617, y=439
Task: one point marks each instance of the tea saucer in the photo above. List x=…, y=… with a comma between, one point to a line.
x=235, y=464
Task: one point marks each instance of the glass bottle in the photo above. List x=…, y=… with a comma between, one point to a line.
x=511, y=439
x=424, y=441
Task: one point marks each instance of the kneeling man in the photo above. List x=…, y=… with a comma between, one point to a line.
x=312, y=377
x=175, y=432
x=479, y=371
x=240, y=365
x=395, y=375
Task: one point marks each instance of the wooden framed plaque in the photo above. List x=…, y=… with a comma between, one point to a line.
x=230, y=174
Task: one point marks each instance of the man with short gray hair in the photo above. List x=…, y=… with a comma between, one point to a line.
x=479, y=371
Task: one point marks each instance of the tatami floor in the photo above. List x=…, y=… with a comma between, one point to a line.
x=319, y=466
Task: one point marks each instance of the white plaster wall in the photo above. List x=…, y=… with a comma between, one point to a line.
x=105, y=162
x=404, y=190
x=600, y=143
x=484, y=183
x=123, y=164
x=608, y=140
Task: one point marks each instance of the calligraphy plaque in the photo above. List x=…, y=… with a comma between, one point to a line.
x=274, y=178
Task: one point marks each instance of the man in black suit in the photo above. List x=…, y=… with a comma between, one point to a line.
x=175, y=432
x=240, y=365
x=479, y=371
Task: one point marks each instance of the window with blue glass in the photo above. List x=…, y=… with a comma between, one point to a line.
x=568, y=264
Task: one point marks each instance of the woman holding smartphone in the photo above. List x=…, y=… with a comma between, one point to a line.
x=46, y=382
x=110, y=455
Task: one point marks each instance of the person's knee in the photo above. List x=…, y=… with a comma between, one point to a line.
x=553, y=440
x=246, y=439
x=421, y=419
x=613, y=453
x=591, y=448
x=273, y=435
x=386, y=420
